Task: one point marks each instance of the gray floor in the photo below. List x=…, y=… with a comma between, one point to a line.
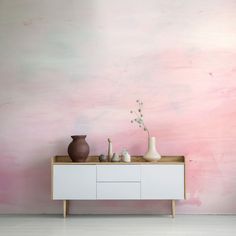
x=113, y=225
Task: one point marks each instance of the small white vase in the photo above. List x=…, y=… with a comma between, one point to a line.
x=152, y=154
x=125, y=156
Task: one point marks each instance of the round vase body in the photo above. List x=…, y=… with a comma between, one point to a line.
x=78, y=149
x=152, y=154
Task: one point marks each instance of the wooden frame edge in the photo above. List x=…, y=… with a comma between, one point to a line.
x=52, y=176
x=185, y=178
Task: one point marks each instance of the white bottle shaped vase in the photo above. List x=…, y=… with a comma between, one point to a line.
x=152, y=154
x=110, y=153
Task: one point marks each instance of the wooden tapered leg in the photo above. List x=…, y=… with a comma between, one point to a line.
x=64, y=208
x=173, y=208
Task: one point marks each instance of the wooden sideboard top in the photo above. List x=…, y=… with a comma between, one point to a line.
x=135, y=160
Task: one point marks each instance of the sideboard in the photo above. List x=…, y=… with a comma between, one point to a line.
x=137, y=180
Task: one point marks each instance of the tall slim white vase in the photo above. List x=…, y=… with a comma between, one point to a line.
x=152, y=154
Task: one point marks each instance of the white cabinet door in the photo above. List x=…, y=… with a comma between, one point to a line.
x=116, y=191
x=74, y=182
x=162, y=181
x=120, y=173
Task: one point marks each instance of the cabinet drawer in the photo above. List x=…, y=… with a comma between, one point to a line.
x=120, y=173
x=118, y=191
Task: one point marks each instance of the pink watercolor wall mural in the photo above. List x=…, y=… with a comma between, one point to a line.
x=77, y=67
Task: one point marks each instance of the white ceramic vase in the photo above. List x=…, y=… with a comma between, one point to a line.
x=125, y=156
x=152, y=154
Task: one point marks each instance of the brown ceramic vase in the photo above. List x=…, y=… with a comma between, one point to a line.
x=78, y=149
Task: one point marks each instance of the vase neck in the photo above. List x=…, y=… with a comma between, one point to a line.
x=78, y=137
x=151, y=142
